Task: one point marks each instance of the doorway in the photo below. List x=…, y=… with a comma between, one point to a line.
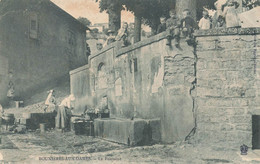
x=256, y=131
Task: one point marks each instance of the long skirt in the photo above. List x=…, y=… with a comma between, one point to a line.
x=61, y=118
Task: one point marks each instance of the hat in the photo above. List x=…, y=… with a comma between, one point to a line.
x=110, y=31
x=72, y=97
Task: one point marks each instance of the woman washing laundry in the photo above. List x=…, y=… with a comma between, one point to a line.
x=64, y=113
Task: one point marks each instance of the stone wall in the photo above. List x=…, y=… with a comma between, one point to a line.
x=146, y=80
x=211, y=91
x=227, y=86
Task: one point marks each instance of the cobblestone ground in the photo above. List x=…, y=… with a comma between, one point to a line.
x=56, y=147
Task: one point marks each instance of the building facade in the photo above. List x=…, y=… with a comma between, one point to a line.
x=39, y=43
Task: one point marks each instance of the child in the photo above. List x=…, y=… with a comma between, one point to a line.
x=50, y=102
x=188, y=25
x=123, y=34
x=110, y=39
x=173, y=25
x=220, y=22
x=162, y=26
x=205, y=22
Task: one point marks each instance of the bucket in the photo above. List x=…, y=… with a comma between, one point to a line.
x=43, y=127
x=27, y=115
x=9, y=118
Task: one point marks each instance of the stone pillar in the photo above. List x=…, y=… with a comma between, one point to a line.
x=186, y=4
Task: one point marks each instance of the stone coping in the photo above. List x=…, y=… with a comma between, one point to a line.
x=121, y=51
x=105, y=49
x=82, y=68
x=142, y=43
x=198, y=33
x=227, y=31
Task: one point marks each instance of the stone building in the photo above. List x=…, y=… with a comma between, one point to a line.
x=39, y=43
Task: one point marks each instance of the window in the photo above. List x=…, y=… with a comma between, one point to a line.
x=256, y=131
x=33, y=26
x=71, y=38
x=133, y=65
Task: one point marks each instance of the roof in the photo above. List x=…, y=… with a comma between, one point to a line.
x=65, y=14
x=14, y=5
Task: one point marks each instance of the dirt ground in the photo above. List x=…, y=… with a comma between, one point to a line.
x=57, y=147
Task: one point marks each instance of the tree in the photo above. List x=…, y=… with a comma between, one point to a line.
x=149, y=11
x=84, y=21
x=249, y=4
x=113, y=8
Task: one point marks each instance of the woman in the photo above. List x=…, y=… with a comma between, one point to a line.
x=64, y=113
x=231, y=15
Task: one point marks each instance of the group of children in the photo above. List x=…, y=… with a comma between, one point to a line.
x=121, y=36
x=225, y=16
x=178, y=27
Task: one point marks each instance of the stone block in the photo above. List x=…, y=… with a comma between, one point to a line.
x=226, y=127
x=201, y=64
x=155, y=125
x=244, y=127
x=237, y=91
x=238, y=111
x=202, y=82
x=250, y=92
x=206, y=55
x=217, y=83
x=206, y=46
x=125, y=131
x=239, y=102
x=220, y=119
x=215, y=65
x=246, y=119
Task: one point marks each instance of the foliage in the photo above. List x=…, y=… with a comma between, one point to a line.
x=249, y=4
x=84, y=21
x=106, y=5
x=95, y=30
x=149, y=10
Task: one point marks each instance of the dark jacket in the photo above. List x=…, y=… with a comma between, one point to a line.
x=161, y=28
x=189, y=23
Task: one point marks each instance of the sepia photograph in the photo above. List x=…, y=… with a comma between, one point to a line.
x=129, y=81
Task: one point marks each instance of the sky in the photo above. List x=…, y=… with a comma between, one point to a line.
x=89, y=9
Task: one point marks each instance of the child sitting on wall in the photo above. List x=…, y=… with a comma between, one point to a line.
x=188, y=25
x=205, y=21
x=122, y=35
x=162, y=27
x=173, y=24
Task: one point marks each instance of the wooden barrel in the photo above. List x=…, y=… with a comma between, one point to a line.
x=8, y=118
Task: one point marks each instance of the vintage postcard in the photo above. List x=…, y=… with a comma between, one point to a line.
x=129, y=81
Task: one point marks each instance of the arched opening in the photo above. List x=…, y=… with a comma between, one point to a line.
x=102, y=76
